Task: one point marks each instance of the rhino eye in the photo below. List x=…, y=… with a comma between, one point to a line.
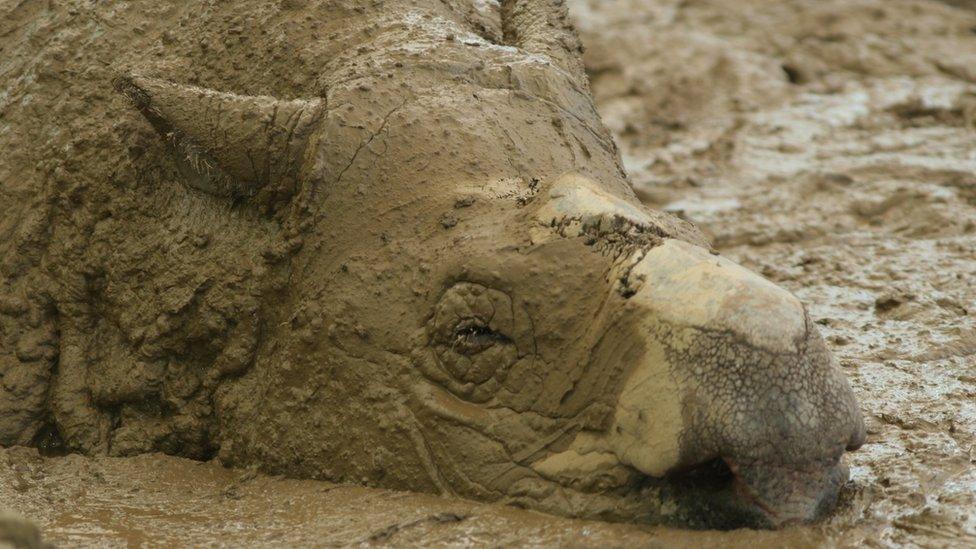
x=472, y=337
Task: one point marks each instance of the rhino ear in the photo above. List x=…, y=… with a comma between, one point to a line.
x=226, y=144
x=543, y=27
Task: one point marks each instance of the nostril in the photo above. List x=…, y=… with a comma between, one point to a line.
x=707, y=495
x=726, y=493
x=714, y=471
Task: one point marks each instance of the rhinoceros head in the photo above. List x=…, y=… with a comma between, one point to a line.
x=478, y=305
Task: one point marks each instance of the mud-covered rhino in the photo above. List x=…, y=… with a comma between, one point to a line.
x=433, y=276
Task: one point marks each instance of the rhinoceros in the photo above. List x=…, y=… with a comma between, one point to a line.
x=432, y=276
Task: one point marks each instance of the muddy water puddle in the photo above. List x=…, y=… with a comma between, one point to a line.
x=157, y=500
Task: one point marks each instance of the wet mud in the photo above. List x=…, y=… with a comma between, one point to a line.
x=158, y=500
x=827, y=145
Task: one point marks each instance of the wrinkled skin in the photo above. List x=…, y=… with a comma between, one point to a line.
x=453, y=290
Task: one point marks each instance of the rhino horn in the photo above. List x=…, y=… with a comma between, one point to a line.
x=543, y=27
x=226, y=144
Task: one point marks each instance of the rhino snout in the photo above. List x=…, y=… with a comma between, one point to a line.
x=730, y=374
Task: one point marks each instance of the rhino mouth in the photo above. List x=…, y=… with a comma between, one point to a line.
x=724, y=494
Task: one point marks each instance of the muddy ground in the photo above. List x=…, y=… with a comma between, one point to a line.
x=828, y=144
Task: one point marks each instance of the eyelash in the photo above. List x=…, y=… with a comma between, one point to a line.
x=468, y=330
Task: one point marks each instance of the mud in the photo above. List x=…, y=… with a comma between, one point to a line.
x=827, y=145
x=156, y=500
